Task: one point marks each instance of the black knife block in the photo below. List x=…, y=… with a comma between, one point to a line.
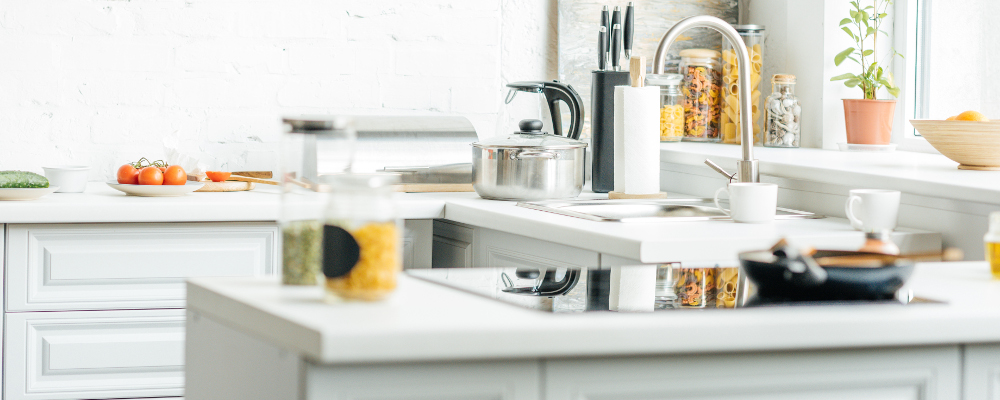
x=602, y=127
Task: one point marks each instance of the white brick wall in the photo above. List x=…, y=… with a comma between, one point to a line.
x=103, y=82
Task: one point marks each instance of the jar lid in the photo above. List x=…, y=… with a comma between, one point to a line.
x=664, y=79
x=748, y=28
x=783, y=78
x=699, y=53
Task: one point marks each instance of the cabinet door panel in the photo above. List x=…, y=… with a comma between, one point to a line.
x=490, y=380
x=127, y=266
x=876, y=374
x=451, y=253
x=497, y=249
x=94, y=354
x=982, y=372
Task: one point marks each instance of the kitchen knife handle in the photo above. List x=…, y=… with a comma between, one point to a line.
x=606, y=23
x=628, y=30
x=602, y=49
x=616, y=46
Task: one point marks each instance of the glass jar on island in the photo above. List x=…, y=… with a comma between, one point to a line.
x=702, y=89
x=362, y=238
x=671, y=105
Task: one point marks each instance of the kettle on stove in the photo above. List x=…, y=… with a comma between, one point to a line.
x=539, y=100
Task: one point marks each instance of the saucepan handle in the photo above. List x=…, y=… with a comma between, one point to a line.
x=537, y=154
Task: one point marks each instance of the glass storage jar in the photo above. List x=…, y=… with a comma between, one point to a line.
x=309, y=145
x=783, y=125
x=362, y=238
x=671, y=105
x=753, y=38
x=702, y=92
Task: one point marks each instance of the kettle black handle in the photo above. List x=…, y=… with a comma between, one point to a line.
x=557, y=91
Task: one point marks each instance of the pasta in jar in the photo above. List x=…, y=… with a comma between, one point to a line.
x=671, y=106
x=731, y=126
x=702, y=92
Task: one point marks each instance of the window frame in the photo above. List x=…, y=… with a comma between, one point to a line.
x=911, y=33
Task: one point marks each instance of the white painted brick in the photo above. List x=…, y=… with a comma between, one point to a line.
x=31, y=88
x=27, y=55
x=223, y=91
x=117, y=90
x=229, y=56
x=116, y=54
x=323, y=58
x=55, y=17
x=444, y=60
x=331, y=93
x=292, y=19
x=241, y=126
x=405, y=93
x=476, y=96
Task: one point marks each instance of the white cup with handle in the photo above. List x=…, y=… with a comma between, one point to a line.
x=750, y=202
x=872, y=209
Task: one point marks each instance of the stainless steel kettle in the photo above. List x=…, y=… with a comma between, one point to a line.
x=551, y=92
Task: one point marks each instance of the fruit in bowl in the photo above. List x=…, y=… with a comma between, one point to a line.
x=145, y=172
x=968, y=138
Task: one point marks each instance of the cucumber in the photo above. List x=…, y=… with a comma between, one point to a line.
x=22, y=179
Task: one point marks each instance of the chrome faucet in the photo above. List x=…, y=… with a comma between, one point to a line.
x=746, y=169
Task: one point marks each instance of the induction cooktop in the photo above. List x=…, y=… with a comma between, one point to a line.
x=653, y=288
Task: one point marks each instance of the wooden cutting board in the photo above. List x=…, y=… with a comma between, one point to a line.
x=433, y=187
x=227, y=186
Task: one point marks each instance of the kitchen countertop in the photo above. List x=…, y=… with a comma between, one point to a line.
x=423, y=321
x=709, y=241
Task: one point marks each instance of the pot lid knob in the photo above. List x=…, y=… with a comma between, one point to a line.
x=530, y=127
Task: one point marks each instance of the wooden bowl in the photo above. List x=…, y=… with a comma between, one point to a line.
x=974, y=145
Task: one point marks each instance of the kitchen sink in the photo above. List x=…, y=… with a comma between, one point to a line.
x=649, y=210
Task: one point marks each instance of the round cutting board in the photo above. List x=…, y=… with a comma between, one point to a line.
x=228, y=186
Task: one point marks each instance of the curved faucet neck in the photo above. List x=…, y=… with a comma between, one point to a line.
x=747, y=167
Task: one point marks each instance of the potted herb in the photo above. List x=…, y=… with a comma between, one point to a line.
x=869, y=120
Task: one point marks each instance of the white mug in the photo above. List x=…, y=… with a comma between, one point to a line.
x=872, y=209
x=750, y=202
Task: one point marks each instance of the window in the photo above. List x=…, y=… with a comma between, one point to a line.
x=952, y=61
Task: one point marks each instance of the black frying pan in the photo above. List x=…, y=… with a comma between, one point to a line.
x=792, y=277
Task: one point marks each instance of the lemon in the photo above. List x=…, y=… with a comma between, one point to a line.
x=971, y=116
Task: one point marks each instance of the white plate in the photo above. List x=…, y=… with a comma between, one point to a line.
x=25, y=193
x=156, y=190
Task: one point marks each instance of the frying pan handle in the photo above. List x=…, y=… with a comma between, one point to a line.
x=849, y=210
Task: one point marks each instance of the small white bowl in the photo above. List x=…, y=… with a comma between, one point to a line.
x=69, y=178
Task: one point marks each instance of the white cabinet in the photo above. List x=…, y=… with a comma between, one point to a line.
x=94, y=354
x=127, y=266
x=495, y=249
x=982, y=372
x=877, y=374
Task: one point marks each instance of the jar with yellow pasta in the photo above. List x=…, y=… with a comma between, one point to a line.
x=753, y=37
x=702, y=92
x=671, y=105
x=362, y=252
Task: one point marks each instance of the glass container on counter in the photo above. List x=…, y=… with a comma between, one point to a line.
x=671, y=105
x=992, y=242
x=753, y=37
x=362, y=237
x=702, y=92
x=783, y=125
x=310, y=146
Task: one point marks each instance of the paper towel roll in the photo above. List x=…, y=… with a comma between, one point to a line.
x=633, y=288
x=640, y=110
x=619, y=144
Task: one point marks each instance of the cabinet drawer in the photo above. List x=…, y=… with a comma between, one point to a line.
x=127, y=266
x=94, y=354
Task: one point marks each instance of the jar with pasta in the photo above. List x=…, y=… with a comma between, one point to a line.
x=695, y=287
x=727, y=281
x=702, y=92
x=753, y=37
x=784, y=127
x=671, y=105
x=362, y=251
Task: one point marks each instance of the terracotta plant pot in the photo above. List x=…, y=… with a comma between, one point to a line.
x=869, y=121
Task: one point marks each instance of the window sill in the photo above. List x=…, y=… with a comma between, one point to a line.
x=931, y=175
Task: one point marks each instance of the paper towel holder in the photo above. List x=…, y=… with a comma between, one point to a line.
x=637, y=75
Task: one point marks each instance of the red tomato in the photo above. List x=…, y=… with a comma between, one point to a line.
x=218, y=176
x=150, y=176
x=174, y=175
x=128, y=174
x=162, y=169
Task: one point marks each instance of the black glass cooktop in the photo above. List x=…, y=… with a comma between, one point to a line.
x=625, y=289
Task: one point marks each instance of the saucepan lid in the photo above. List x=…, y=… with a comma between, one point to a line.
x=531, y=136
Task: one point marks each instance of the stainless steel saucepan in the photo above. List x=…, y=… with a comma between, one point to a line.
x=529, y=165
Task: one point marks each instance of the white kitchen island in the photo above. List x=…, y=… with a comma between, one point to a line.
x=254, y=339
x=94, y=282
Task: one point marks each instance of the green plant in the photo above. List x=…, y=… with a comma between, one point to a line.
x=864, y=26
